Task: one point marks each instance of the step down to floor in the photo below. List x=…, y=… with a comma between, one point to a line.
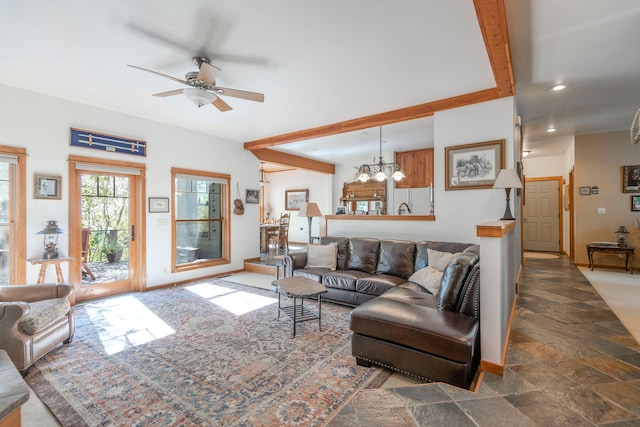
x=254, y=266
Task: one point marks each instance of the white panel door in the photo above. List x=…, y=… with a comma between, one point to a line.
x=542, y=216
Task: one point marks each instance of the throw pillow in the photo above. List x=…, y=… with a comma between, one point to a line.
x=322, y=256
x=439, y=260
x=429, y=278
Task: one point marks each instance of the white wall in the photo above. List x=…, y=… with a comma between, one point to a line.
x=319, y=186
x=457, y=212
x=41, y=124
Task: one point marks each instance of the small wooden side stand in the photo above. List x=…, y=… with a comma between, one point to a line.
x=43, y=267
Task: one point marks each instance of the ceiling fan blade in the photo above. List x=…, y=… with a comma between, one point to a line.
x=170, y=93
x=208, y=73
x=236, y=93
x=175, y=79
x=221, y=105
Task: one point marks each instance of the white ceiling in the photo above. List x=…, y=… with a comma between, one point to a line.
x=324, y=62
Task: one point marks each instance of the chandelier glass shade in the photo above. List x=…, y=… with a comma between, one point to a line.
x=379, y=170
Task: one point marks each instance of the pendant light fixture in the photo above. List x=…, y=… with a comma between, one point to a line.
x=379, y=170
x=263, y=177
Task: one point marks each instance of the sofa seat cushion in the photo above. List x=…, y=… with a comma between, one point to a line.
x=452, y=336
x=312, y=273
x=410, y=296
x=378, y=284
x=345, y=279
x=44, y=313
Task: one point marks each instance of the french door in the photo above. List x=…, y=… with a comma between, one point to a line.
x=12, y=215
x=107, y=231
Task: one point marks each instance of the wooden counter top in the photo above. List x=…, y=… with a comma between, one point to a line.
x=407, y=217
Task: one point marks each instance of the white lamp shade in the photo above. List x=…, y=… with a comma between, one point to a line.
x=310, y=209
x=508, y=178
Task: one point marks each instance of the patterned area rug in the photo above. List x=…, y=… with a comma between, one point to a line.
x=207, y=354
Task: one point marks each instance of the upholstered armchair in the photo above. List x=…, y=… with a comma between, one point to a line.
x=33, y=320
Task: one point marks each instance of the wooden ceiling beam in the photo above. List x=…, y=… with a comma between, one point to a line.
x=375, y=120
x=287, y=159
x=493, y=24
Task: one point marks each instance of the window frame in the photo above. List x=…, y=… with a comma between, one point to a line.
x=225, y=219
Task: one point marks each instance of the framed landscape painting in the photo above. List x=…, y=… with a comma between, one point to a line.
x=473, y=166
x=295, y=198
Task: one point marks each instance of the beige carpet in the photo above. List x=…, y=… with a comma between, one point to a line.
x=540, y=255
x=621, y=291
x=257, y=280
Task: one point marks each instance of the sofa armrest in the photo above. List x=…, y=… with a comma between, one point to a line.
x=64, y=290
x=294, y=261
x=32, y=293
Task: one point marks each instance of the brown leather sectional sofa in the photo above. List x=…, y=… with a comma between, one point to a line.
x=397, y=323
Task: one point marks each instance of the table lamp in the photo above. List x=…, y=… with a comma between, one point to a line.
x=310, y=210
x=508, y=179
x=622, y=239
x=51, y=232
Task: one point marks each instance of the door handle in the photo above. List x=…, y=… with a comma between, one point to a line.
x=133, y=233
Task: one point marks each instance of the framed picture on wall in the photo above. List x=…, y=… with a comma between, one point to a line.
x=473, y=166
x=293, y=199
x=635, y=203
x=631, y=179
x=47, y=187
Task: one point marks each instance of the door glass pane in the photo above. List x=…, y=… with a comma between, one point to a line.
x=6, y=171
x=105, y=228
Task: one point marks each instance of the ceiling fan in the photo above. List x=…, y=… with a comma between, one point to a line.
x=202, y=88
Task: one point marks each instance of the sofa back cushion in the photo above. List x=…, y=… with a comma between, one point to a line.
x=343, y=250
x=363, y=254
x=422, y=257
x=397, y=258
x=453, y=280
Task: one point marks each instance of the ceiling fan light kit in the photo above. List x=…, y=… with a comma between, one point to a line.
x=202, y=86
x=377, y=169
x=199, y=97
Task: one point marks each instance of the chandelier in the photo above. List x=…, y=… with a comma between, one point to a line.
x=379, y=170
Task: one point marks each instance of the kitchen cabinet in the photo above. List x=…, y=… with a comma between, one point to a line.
x=417, y=165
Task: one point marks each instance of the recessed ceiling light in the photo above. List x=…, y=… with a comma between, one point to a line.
x=551, y=129
x=559, y=86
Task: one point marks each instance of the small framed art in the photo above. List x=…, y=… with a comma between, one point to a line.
x=158, y=204
x=585, y=191
x=252, y=196
x=631, y=179
x=635, y=203
x=47, y=187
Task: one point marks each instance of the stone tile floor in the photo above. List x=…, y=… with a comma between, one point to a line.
x=570, y=362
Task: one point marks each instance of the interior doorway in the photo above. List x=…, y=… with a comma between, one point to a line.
x=107, y=231
x=542, y=214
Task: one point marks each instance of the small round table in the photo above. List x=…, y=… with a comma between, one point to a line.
x=44, y=262
x=298, y=287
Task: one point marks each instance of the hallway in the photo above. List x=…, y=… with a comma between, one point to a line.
x=570, y=362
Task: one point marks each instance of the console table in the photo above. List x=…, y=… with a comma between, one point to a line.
x=611, y=249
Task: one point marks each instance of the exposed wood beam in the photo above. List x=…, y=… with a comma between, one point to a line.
x=408, y=113
x=493, y=24
x=293, y=160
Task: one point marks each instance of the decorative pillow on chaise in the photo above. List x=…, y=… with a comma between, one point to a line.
x=430, y=277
